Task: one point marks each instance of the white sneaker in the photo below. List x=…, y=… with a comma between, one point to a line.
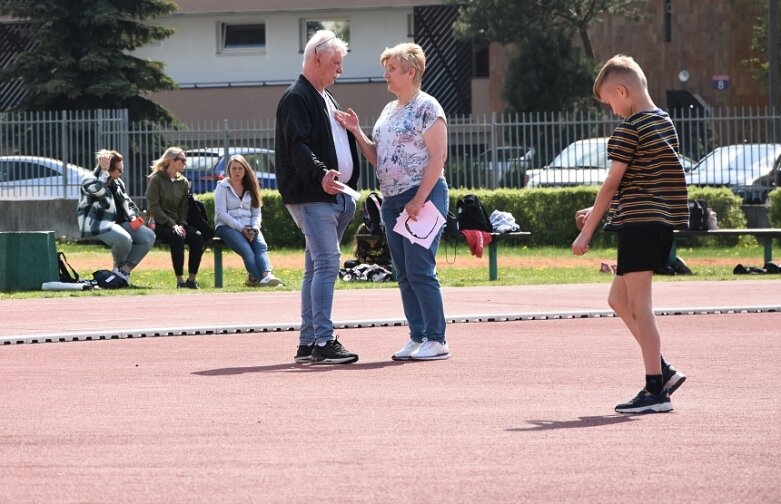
x=431, y=350
x=269, y=281
x=406, y=351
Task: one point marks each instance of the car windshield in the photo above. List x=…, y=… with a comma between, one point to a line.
x=582, y=155
x=752, y=159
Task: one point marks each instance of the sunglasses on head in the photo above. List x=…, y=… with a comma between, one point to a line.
x=323, y=42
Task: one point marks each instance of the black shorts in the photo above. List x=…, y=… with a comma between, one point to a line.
x=643, y=248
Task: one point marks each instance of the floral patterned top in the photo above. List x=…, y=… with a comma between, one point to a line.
x=402, y=155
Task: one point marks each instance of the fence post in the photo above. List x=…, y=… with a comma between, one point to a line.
x=493, y=164
x=65, y=151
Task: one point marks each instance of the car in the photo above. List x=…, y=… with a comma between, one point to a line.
x=206, y=166
x=506, y=158
x=583, y=162
x=36, y=177
x=746, y=168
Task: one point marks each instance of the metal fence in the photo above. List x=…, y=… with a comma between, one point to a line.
x=492, y=151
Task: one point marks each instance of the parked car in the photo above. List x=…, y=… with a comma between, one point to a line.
x=34, y=177
x=583, y=162
x=746, y=168
x=206, y=166
x=509, y=162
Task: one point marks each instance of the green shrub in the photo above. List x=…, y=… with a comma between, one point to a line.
x=547, y=213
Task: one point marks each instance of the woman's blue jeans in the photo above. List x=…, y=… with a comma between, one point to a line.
x=416, y=267
x=323, y=225
x=254, y=253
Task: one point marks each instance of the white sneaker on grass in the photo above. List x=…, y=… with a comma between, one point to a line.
x=269, y=281
x=406, y=351
x=431, y=350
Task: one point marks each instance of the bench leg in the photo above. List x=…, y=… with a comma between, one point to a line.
x=768, y=243
x=218, y=266
x=492, y=267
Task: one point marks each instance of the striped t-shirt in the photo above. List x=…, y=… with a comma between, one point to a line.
x=653, y=189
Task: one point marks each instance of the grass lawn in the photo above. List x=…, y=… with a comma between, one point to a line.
x=518, y=265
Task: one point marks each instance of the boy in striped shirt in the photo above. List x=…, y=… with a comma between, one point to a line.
x=645, y=197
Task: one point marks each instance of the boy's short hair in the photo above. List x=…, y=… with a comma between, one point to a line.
x=623, y=66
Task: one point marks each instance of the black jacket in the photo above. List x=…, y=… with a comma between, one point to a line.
x=304, y=145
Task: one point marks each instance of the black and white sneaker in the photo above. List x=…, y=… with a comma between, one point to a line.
x=304, y=353
x=672, y=379
x=646, y=402
x=332, y=353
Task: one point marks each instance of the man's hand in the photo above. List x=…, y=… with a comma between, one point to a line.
x=329, y=182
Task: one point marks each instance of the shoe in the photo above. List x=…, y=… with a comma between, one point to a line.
x=304, y=353
x=646, y=402
x=332, y=353
x=191, y=284
x=431, y=350
x=181, y=285
x=251, y=281
x=406, y=351
x=672, y=379
x=269, y=281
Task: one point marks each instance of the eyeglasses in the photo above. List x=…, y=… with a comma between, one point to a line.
x=183, y=160
x=323, y=42
x=437, y=225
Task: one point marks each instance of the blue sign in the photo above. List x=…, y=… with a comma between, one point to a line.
x=720, y=82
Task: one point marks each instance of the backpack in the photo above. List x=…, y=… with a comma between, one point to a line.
x=197, y=218
x=472, y=215
x=109, y=280
x=371, y=249
x=67, y=273
x=698, y=215
x=372, y=214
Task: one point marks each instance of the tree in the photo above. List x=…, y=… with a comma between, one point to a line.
x=760, y=42
x=81, y=57
x=545, y=60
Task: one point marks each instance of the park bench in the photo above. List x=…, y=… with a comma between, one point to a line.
x=763, y=235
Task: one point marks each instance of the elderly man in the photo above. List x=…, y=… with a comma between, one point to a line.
x=315, y=158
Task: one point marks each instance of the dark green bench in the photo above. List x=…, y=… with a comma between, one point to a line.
x=763, y=235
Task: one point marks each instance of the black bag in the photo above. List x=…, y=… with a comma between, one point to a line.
x=197, y=218
x=472, y=215
x=451, y=226
x=698, y=215
x=372, y=214
x=67, y=273
x=109, y=280
x=371, y=249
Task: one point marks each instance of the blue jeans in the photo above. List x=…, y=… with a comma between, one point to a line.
x=254, y=253
x=416, y=268
x=323, y=225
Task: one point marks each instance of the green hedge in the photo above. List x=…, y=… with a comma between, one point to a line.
x=547, y=213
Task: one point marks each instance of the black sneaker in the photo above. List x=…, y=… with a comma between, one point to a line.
x=332, y=353
x=191, y=284
x=646, y=402
x=304, y=353
x=672, y=379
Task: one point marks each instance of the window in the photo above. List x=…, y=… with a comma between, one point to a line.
x=480, y=60
x=341, y=27
x=241, y=37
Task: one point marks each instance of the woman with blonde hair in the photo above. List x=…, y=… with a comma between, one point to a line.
x=167, y=204
x=237, y=220
x=408, y=149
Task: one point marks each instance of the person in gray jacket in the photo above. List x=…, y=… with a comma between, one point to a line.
x=237, y=220
x=106, y=212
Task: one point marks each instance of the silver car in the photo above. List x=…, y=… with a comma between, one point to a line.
x=745, y=168
x=34, y=177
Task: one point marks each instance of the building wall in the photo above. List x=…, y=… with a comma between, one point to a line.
x=709, y=39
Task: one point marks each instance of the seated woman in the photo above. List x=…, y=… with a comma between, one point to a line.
x=107, y=213
x=167, y=204
x=237, y=221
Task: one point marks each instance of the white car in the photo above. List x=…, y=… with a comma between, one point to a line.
x=746, y=168
x=583, y=162
x=35, y=177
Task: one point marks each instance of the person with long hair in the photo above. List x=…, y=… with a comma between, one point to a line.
x=237, y=219
x=167, y=203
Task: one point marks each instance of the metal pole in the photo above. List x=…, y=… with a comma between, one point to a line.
x=773, y=57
